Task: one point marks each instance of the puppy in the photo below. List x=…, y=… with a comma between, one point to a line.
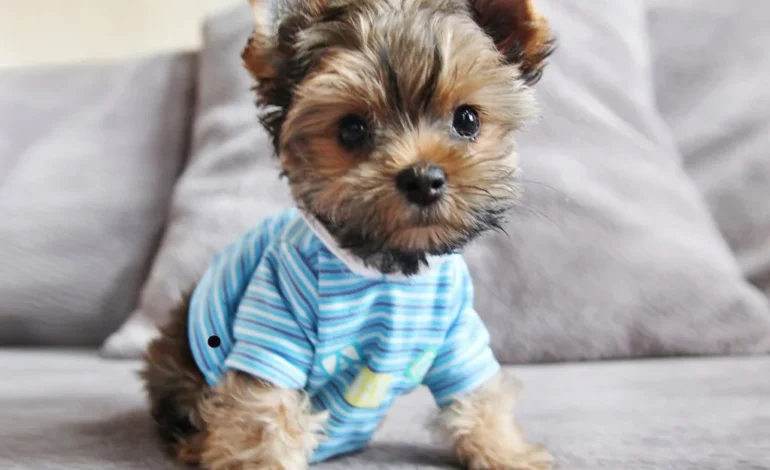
x=394, y=124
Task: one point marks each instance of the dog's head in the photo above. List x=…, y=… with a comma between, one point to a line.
x=394, y=119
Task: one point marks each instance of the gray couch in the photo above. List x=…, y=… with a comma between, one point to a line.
x=630, y=293
x=71, y=410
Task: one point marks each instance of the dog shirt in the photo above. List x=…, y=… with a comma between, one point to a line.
x=287, y=305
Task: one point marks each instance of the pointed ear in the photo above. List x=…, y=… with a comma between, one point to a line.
x=276, y=24
x=520, y=33
x=256, y=54
x=271, y=56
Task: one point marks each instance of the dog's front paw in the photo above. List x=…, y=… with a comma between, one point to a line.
x=484, y=433
x=489, y=457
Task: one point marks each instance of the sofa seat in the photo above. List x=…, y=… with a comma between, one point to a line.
x=72, y=410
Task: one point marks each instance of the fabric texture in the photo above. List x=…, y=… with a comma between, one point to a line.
x=88, y=158
x=611, y=253
x=229, y=184
x=711, y=61
x=65, y=410
x=285, y=309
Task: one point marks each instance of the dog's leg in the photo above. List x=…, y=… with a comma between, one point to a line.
x=483, y=432
x=253, y=426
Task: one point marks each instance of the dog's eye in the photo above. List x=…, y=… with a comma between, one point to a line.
x=354, y=132
x=466, y=122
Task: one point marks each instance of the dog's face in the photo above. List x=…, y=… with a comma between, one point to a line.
x=394, y=120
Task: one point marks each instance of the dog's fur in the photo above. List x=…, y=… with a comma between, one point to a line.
x=403, y=67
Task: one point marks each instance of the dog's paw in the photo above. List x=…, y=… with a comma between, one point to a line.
x=534, y=458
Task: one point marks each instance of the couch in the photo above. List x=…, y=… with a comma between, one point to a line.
x=71, y=410
x=629, y=294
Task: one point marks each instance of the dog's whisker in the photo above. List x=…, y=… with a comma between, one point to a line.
x=475, y=188
x=536, y=212
x=539, y=183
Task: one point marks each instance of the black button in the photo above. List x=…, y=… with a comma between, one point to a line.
x=214, y=342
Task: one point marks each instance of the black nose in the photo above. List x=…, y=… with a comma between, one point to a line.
x=422, y=185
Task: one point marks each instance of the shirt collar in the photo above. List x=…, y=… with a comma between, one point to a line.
x=354, y=263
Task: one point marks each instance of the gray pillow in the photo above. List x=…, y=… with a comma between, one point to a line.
x=229, y=184
x=711, y=69
x=611, y=254
x=88, y=158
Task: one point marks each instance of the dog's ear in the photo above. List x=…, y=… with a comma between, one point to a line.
x=520, y=33
x=261, y=44
x=271, y=57
x=276, y=24
x=256, y=54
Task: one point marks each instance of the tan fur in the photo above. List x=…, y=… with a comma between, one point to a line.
x=252, y=425
x=482, y=430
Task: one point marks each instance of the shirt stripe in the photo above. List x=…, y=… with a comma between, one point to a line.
x=288, y=311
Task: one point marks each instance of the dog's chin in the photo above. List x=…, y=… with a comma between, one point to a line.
x=432, y=238
x=407, y=249
x=435, y=236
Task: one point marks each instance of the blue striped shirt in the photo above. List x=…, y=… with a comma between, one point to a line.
x=288, y=310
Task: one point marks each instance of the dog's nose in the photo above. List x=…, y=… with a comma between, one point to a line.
x=422, y=185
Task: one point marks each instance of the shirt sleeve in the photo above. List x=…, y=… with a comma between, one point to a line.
x=273, y=330
x=215, y=300
x=465, y=360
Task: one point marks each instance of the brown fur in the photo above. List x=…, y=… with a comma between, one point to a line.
x=175, y=386
x=404, y=67
x=519, y=31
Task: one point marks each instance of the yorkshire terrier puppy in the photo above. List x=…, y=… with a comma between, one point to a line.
x=394, y=124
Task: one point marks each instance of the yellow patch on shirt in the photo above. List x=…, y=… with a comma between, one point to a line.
x=369, y=389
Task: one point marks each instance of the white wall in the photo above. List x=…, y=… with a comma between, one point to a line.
x=55, y=31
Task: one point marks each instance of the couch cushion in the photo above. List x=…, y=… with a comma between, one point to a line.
x=612, y=252
x=229, y=184
x=70, y=410
x=711, y=69
x=88, y=158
